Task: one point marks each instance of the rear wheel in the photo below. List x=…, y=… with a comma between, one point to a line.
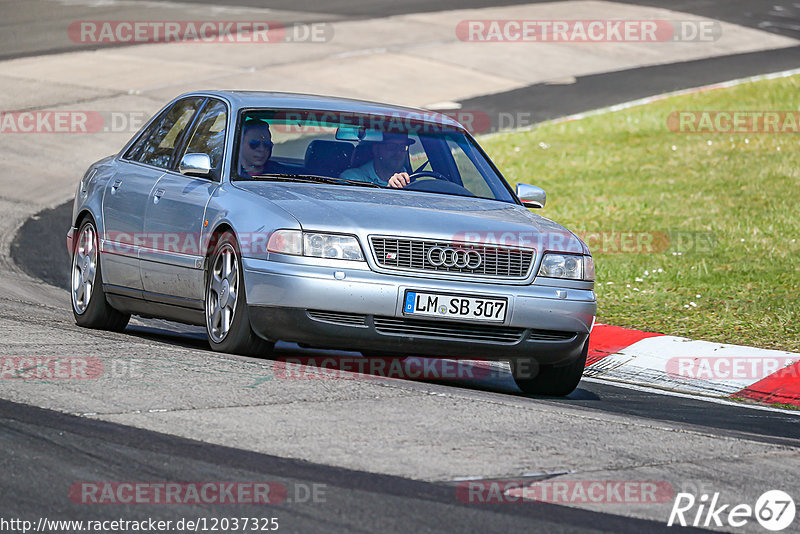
x=552, y=380
x=89, y=304
x=227, y=320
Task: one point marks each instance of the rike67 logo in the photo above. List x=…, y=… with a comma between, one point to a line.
x=774, y=510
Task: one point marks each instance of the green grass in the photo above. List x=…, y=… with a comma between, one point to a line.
x=729, y=202
x=785, y=406
x=781, y=405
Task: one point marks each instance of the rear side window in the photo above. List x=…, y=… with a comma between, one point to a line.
x=136, y=148
x=159, y=146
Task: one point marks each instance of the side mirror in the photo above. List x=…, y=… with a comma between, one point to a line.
x=531, y=196
x=196, y=165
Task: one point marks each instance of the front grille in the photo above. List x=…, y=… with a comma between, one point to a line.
x=412, y=255
x=442, y=329
x=350, y=319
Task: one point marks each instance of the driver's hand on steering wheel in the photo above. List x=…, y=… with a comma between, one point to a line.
x=399, y=180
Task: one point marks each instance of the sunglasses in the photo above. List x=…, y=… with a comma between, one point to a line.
x=254, y=144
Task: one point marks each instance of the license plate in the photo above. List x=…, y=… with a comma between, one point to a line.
x=490, y=310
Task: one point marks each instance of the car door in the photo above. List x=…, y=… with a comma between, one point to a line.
x=172, y=269
x=128, y=191
x=123, y=203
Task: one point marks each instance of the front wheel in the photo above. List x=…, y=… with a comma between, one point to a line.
x=89, y=304
x=548, y=379
x=227, y=321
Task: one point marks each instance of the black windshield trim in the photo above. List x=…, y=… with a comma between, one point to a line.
x=312, y=178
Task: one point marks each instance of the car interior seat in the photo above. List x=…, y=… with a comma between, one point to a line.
x=328, y=158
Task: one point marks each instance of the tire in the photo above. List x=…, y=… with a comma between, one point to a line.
x=227, y=320
x=556, y=381
x=89, y=304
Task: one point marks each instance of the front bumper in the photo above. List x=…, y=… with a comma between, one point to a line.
x=353, y=308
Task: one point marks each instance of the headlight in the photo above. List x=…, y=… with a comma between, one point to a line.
x=340, y=247
x=315, y=245
x=569, y=266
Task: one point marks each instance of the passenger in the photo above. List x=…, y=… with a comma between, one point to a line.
x=255, y=150
x=387, y=166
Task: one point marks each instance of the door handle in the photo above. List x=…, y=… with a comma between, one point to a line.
x=157, y=195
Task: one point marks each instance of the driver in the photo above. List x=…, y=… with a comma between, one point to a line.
x=387, y=166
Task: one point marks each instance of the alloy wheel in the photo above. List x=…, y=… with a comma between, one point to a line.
x=223, y=288
x=84, y=268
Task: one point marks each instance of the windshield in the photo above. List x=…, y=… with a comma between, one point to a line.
x=399, y=151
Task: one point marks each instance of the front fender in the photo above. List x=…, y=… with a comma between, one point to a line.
x=251, y=217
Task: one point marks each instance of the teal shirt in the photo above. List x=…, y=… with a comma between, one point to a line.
x=365, y=173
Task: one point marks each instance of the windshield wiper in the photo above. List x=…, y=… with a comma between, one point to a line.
x=314, y=178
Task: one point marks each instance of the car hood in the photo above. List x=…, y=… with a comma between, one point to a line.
x=370, y=211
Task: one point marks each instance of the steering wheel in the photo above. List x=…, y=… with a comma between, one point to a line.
x=440, y=185
x=430, y=174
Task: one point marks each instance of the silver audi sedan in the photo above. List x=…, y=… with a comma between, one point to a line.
x=331, y=223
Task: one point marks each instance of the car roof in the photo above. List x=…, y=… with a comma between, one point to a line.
x=279, y=100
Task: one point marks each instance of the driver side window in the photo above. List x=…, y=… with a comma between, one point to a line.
x=470, y=175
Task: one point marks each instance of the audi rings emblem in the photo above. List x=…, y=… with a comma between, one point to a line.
x=448, y=257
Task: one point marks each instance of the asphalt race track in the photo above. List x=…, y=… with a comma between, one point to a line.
x=30, y=31
x=386, y=455
x=354, y=501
